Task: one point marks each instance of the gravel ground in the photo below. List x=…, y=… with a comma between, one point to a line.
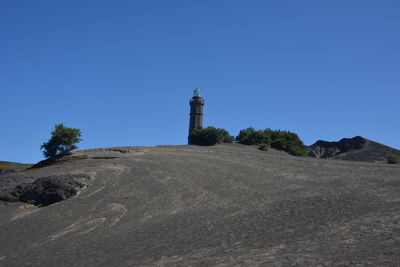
x=228, y=205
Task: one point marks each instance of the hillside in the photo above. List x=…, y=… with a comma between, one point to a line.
x=356, y=149
x=224, y=205
x=6, y=166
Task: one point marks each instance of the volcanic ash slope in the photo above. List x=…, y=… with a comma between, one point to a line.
x=203, y=206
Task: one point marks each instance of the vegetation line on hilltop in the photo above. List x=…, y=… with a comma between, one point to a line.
x=282, y=140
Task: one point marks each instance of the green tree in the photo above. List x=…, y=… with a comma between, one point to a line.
x=250, y=136
x=281, y=140
x=62, y=141
x=224, y=136
x=209, y=136
x=280, y=144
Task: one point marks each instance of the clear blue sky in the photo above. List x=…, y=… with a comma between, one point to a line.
x=123, y=71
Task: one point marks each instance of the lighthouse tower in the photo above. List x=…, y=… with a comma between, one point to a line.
x=196, y=111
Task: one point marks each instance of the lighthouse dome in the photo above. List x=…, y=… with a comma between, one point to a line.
x=197, y=92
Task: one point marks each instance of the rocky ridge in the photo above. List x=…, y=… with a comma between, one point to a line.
x=355, y=149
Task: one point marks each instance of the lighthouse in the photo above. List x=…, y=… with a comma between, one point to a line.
x=196, y=111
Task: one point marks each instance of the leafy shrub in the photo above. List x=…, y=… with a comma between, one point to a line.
x=62, y=141
x=297, y=150
x=250, y=136
x=281, y=140
x=209, y=136
x=264, y=147
x=224, y=136
x=287, y=141
x=279, y=144
x=393, y=159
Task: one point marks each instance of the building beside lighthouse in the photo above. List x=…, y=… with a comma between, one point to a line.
x=196, y=111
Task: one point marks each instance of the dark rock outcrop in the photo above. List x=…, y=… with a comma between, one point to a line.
x=41, y=191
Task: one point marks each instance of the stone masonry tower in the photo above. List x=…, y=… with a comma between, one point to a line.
x=196, y=111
